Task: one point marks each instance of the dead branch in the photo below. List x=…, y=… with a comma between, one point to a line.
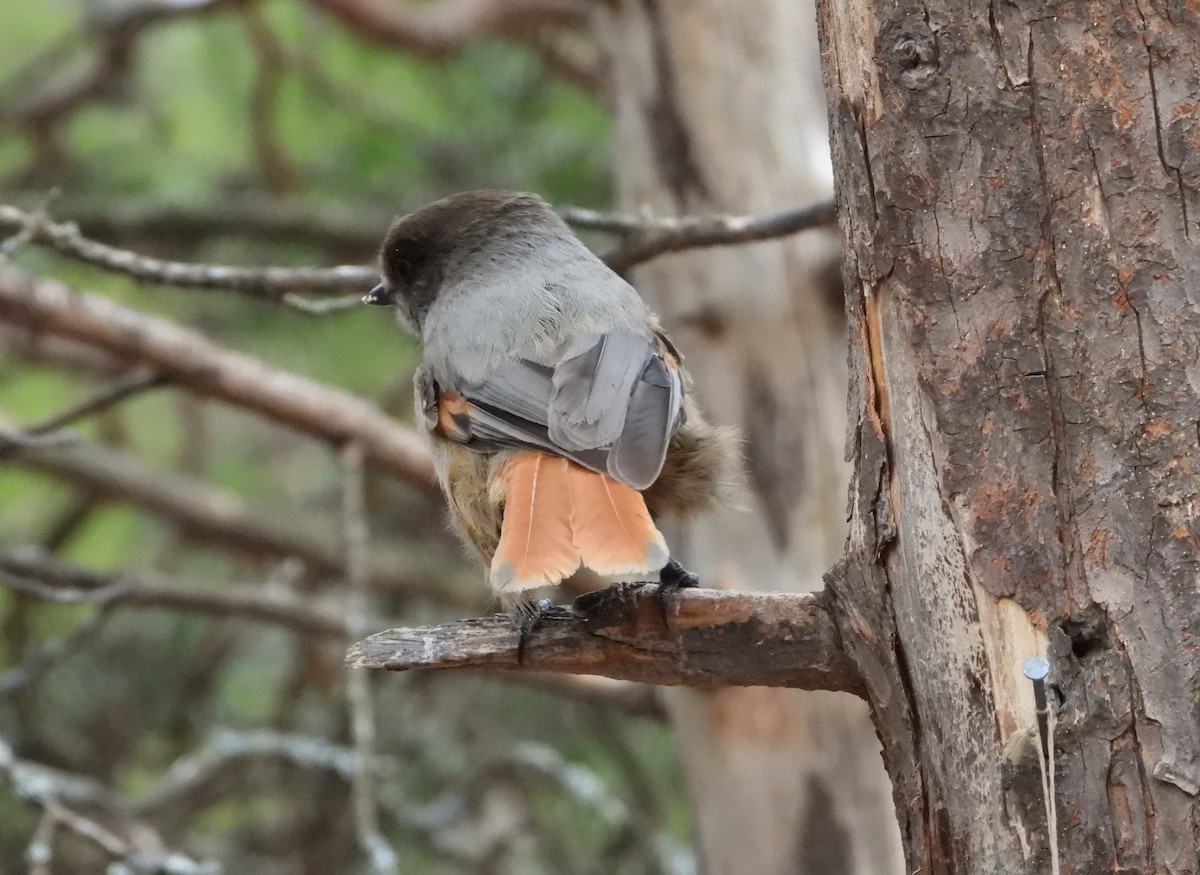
x=654, y=237
x=107, y=823
x=713, y=638
x=190, y=359
x=436, y=30
x=102, y=399
x=273, y=283
x=181, y=225
x=645, y=238
x=60, y=353
x=275, y=167
x=12, y=440
x=219, y=517
x=46, y=578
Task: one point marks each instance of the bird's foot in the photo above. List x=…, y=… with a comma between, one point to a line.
x=672, y=577
x=527, y=616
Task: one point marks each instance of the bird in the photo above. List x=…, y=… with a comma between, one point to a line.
x=560, y=415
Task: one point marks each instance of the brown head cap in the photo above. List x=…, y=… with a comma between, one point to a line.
x=420, y=246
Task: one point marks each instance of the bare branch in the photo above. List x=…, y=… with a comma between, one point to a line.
x=59, y=352
x=12, y=440
x=654, y=237
x=190, y=359
x=436, y=30
x=272, y=283
x=715, y=638
x=222, y=518
x=40, y=660
x=46, y=578
x=645, y=238
x=357, y=228
x=275, y=167
x=228, y=748
x=107, y=825
x=102, y=399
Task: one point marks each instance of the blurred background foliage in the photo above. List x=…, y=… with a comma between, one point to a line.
x=256, y=108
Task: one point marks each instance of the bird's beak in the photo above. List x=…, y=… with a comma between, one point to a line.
x=379, y=295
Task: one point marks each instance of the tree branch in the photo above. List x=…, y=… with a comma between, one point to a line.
x=715, y=638
x=651, y=238
x=273, y=283
x=436, y=30
x=27, y=573
x=645, y=238
x=221, y=517
x=103, y=398
x=190, y=359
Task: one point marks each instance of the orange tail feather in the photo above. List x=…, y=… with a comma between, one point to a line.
x=611, y=527
x=535, y=546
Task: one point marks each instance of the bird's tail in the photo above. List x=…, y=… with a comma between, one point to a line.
x=559, y=515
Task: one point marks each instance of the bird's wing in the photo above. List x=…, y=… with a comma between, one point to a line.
x=609, y=402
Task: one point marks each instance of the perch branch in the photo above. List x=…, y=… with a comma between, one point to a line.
x=190, y=359
x=714, y=638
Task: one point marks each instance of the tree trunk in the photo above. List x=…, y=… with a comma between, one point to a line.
x=721, y=111
x=1020, y=190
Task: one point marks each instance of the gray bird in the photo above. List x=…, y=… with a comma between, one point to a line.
x=558, y=410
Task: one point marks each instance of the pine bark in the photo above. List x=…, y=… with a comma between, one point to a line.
x=1019, y=189
x=719, y=110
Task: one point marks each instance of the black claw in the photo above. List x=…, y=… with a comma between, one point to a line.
x=527, y=616
x=672, y=577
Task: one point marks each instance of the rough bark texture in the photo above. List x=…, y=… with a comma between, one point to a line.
x=711, y=638
x=1020, y=191
x=719, y=109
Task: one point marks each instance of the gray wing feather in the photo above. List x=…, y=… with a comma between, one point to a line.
x=610, y=404
x=653, y=414
x=592, y=385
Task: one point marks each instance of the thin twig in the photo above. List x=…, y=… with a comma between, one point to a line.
x=102, y=399
x=48, y=655
x=229, y=748
x=39, y=853
x=272, y=283
x=435, y=30
x=658, y=237
x=358, y=683
x=40, y=577
x=122, y=837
